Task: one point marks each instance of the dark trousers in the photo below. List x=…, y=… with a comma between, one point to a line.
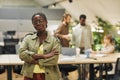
x=36, y=76
x=82, y=50
x=66, y=68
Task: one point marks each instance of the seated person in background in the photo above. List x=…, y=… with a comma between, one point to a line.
x=108, y=45
x=108, y=48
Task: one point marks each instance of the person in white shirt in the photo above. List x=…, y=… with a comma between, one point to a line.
x=82, y=35
x=82, y=38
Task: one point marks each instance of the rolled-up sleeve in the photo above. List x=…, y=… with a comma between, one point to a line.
x=24, y=53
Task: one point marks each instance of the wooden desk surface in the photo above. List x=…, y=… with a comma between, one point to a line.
x=110, y=58
x=4, y=60
x=12, y=59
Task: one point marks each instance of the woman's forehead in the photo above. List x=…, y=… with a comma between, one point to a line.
x=38, y=16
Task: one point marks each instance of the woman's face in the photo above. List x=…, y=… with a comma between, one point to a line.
x=39, y=23
x=68, y=19
x=106, y=40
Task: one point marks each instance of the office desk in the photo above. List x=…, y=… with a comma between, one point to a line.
x=9, y=60
x=110, y=58
x=12, y=59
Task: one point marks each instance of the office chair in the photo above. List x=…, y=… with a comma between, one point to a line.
x=10, y=48
x=2, y=68
x=117, y=70
x=66, y=68
x=9, y=45
x=103, y=68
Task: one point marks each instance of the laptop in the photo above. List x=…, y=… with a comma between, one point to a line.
x=68, y=51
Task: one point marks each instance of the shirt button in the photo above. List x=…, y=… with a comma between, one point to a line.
x=45, y=50
x=47, y=73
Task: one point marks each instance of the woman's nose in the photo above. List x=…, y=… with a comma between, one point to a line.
x=38, y=22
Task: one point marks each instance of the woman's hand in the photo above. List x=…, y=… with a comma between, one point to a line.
x=43, y=56
x=35, y=62
x=37, y=56
x=67, y=37
x=52, y=53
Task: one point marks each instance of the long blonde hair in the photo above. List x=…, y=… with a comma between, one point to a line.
x=65, y=16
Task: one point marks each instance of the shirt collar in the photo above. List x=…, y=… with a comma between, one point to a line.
x=34, y=36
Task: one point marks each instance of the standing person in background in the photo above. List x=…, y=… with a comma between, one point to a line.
x=40, y=52
x=82, y=38
x=82, y=35
x=62, y=33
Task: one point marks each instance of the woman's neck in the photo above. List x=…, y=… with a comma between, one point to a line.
x=107, y=44
x=41, y=34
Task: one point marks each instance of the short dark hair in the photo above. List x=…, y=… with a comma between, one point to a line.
x=40, y=14
x=82, y=16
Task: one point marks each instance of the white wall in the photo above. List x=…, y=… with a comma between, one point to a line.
x=17, y=3
x=22, y=25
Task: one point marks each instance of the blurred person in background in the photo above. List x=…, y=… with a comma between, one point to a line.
x=107, y=45
x=82, y=35
x=63, y=33
x=82, y=38
x=107, y=48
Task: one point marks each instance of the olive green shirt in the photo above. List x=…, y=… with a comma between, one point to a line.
x=29, y=46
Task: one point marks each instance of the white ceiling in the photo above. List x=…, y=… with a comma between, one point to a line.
x=106, y=9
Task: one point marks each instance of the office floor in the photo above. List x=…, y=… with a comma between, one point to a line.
x=3, y=76
x=72, y=76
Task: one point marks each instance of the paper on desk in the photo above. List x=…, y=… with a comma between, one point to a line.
x=101, y=55
x=67, y=58
x=82, y=56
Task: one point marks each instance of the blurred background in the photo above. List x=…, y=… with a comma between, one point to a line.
x=102, y=15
